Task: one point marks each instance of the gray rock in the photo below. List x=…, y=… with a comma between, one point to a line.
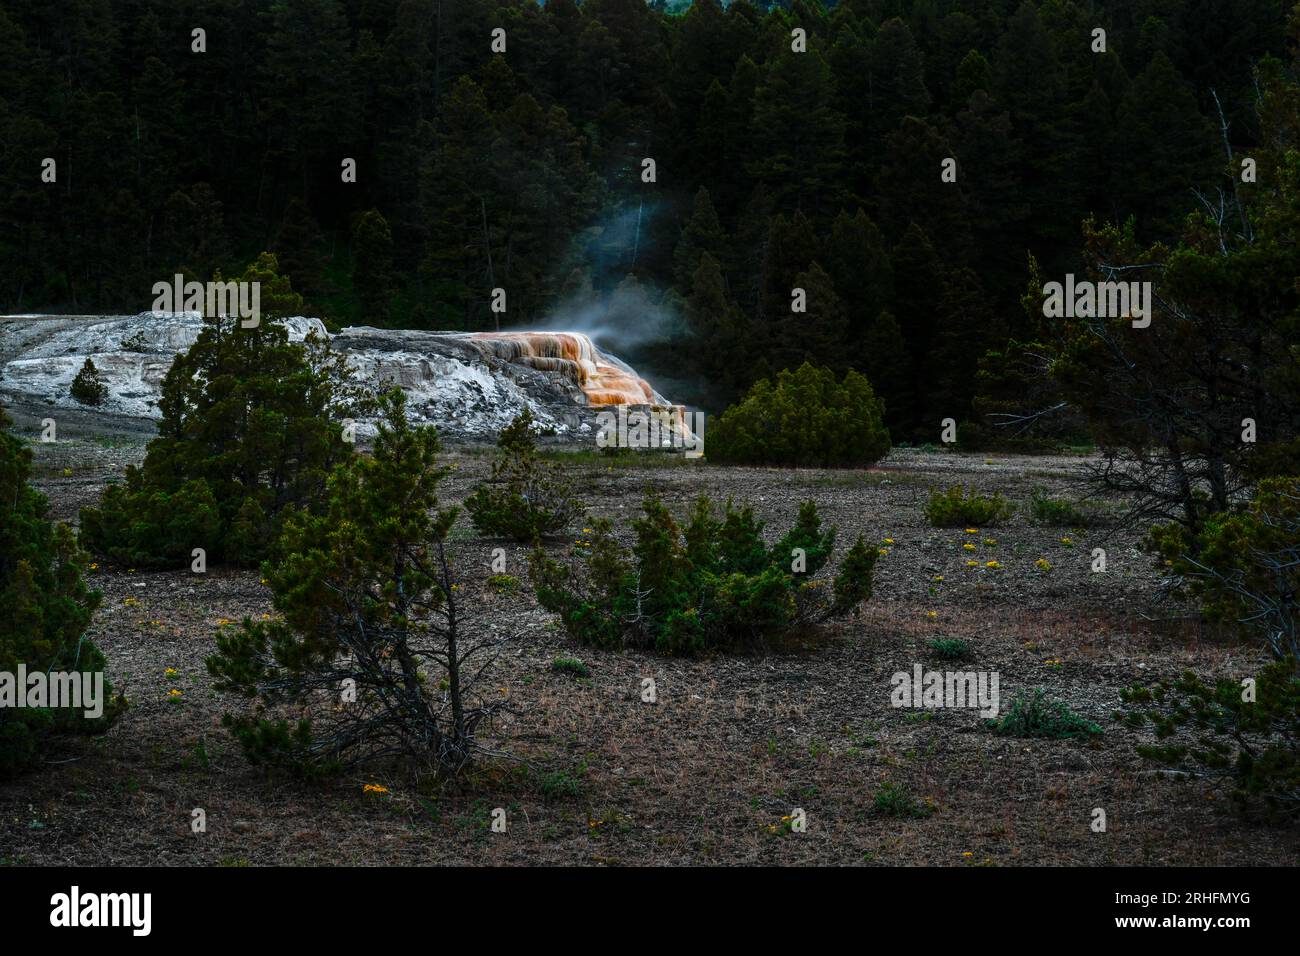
x=469, y=386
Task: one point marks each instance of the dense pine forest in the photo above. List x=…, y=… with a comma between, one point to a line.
x=773, y=167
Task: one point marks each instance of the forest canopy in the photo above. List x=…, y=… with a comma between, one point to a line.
x=524, y=169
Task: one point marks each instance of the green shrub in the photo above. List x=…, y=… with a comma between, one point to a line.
x=953, y=508
x=368, y=605
x=1037, y=715
x=1061, y=512
x=570, y=665
x=895, y=800
x=712, y=584
x=1244, y=565
x=805, y=419
x=526, y=498
x=47, y=607
x=950, y=648
x=560, y=783
x=504, y=583
x=1249, y=740
x=86, y=387
x=251, y=425
x=139, y=526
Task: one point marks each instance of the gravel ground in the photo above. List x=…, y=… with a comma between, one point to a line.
x=734, y=743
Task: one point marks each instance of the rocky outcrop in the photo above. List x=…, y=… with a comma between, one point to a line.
x=459, y=382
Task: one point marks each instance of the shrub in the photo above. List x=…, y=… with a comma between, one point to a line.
x=1216, y=732
x=367, y=602
x=895, y=800
x=954, y=508
x=950, y=648
x=805, y=419
x=86, y=387
x=47, y=607
x=1061, y=512
x=526, y=499
x=1244, y=566
x=712, y=584
x=504, y=583
x=250, y=426
x=570, y=665
x=1037, y=715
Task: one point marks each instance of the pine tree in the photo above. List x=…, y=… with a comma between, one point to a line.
x=87, y=387
x=710, y=319
x=703, y=234
x=973, y=73
x=372, y=266
x=918, y=290
x=47, y=610
x=888, y=364
x=251, y=424
x=300, y=250
x=818, y=335
x=1160, y=120
x=897, y=74
x=799, y=135
x=367, y=598
x=858, y=261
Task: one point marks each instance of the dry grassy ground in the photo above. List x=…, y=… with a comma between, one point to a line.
x=733, y=744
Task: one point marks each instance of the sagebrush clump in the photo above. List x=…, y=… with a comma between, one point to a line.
x=955, y=508
x=712, y=584
x=1037, y=715
x=1052, y=512
x=807, y=418
x=526, y=499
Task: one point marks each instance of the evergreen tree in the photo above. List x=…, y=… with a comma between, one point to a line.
x=719, y=345
x=300, y=250
x=251, y=424
x=87, y=387
x=918, y=290
x=1178, y=150
x=858, y=261
x=888, y=364
x=703, y=234
x=372, y=266
x=366, y=594
x=47, y=610
x=799, y=135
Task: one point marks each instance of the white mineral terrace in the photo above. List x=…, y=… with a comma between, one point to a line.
x=469, y=384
